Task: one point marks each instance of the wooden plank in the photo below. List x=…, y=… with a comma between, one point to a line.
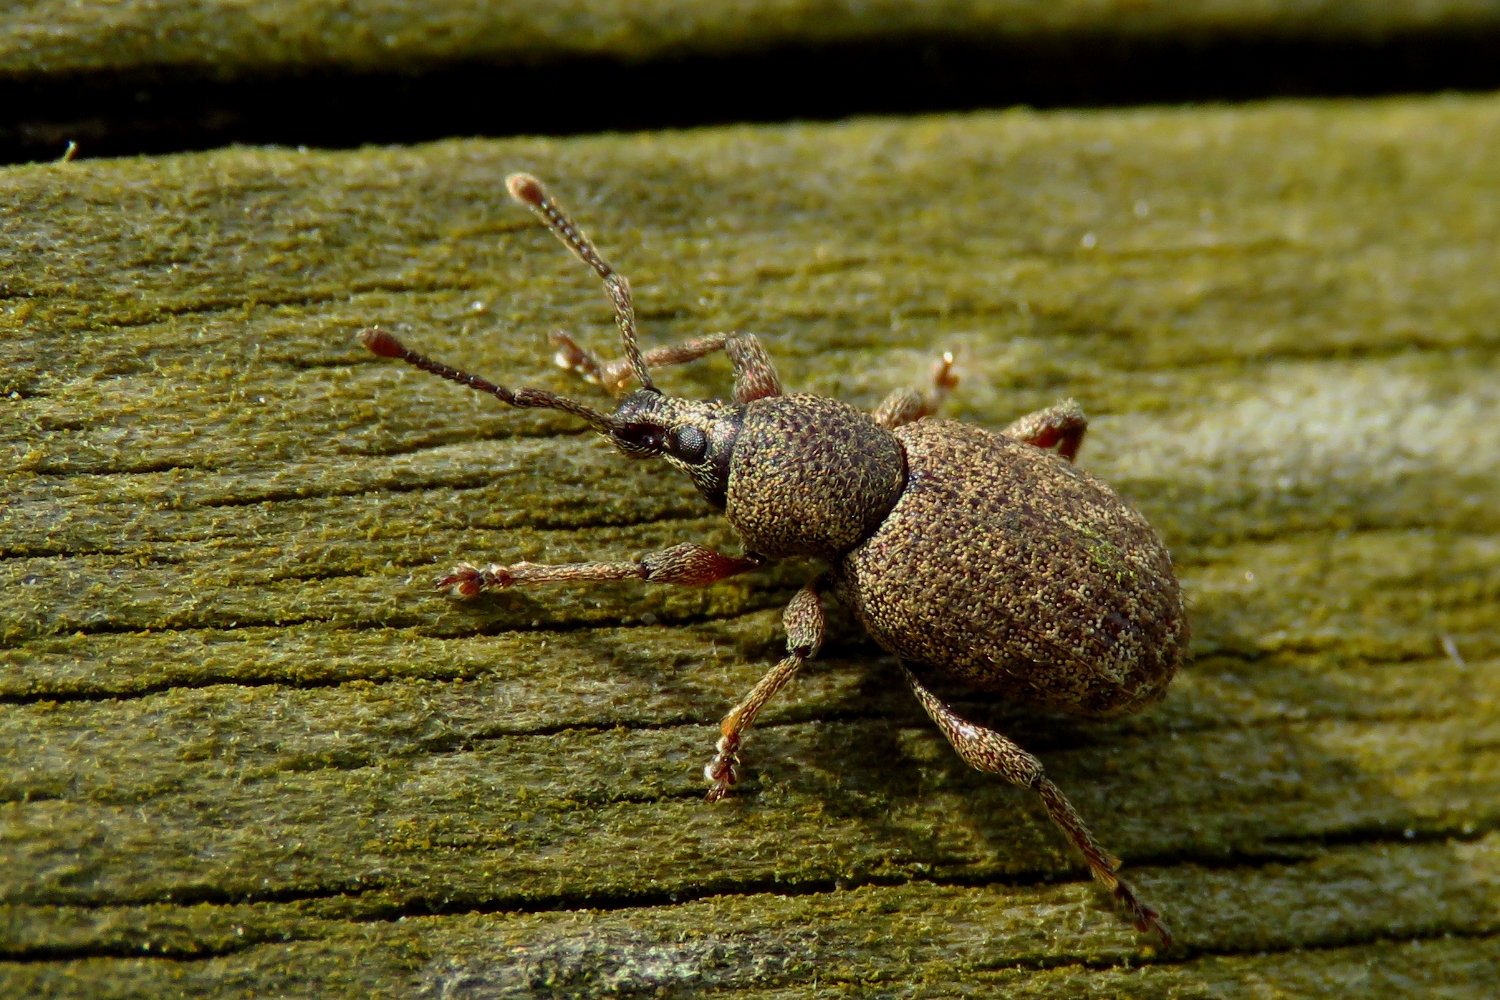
x=1323, y=919
x=57, y=37
x=229, y=698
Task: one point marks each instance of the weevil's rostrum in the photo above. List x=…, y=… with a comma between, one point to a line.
x=985, y=555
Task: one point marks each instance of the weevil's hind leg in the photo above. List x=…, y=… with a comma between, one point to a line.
x=614, y=376
x=1063, y=425
x=986, y=750
x=687, y=563
x=905, y=406
x=804, y=623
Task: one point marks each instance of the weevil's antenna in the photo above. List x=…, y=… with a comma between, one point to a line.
x=529, y=191
x=387, y=346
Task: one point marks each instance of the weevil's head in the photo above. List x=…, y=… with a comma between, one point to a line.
x=697, y=436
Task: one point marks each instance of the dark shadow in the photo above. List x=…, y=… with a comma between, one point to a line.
x=156, y=110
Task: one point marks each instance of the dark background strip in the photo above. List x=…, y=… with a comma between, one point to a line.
x=118, y=113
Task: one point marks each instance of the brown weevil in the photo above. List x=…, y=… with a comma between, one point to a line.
x=988, y=556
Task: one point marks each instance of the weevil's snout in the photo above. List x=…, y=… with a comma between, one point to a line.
x=696, y=436
x=640, y=424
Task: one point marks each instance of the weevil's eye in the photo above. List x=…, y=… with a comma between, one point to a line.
x=687, y=443
x=643, y=438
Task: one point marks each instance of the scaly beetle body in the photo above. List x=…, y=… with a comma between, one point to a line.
x=985, y=555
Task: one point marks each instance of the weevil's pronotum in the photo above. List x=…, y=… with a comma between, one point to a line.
x=985, y=555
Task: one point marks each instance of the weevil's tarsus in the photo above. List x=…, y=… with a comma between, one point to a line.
x=387, y=346
x=571, y=357
x=985, y=749
x=906, y=406
x=1062, y=425
x=689, y=564
x=804, y=623
x=529, y=191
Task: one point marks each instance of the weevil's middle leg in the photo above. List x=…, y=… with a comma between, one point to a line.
x=804, y=623
x=906, y=406
x=687, y=564
x=986, y=750
x=1063, y=425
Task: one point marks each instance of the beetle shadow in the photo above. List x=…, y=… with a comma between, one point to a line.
x=1243, y=763
x=1217, y=775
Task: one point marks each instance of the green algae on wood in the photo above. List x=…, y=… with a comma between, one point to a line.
x=237, y=722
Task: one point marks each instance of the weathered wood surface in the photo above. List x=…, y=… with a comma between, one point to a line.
x=248, y=750
x=51, y=37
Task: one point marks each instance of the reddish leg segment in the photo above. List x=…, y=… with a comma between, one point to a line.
x=687, y=563
x=905, y=406
x=986, y=750
x=804, y=623
x=1063, y=425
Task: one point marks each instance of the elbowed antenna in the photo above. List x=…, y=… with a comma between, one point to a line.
x=529, y=191
x=387, y=346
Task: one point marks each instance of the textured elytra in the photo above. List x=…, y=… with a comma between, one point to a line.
x=1011, y=569
x=810, y=476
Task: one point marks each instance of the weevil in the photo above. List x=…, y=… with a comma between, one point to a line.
x=986, y=555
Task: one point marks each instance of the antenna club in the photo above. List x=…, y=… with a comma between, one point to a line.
x=381, y=343
x=526, y=189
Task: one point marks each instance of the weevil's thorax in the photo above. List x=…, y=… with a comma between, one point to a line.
x=697, y=436
x=810, y=476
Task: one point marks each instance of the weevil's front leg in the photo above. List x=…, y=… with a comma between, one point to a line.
x=754, y=375
x=614, y=376
x=687, y=563
x=905, y=406
x=1062, y=425
x=804, y=623
x=986, y=750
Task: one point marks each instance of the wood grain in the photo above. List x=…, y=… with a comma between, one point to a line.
x=249, y=749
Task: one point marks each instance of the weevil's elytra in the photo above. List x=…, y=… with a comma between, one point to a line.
x=988, y=556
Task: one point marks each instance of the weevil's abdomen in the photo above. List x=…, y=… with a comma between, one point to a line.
x=810, y=476
x=1009, y=568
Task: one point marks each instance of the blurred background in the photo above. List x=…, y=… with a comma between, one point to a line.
x=121, y=78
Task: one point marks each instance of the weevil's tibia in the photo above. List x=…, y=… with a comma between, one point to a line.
x=689, y=564
x=804, y=623
x=1062, y=424
x=986, y=750
x=387, y=346
x=529, y=191
x=905, y=406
